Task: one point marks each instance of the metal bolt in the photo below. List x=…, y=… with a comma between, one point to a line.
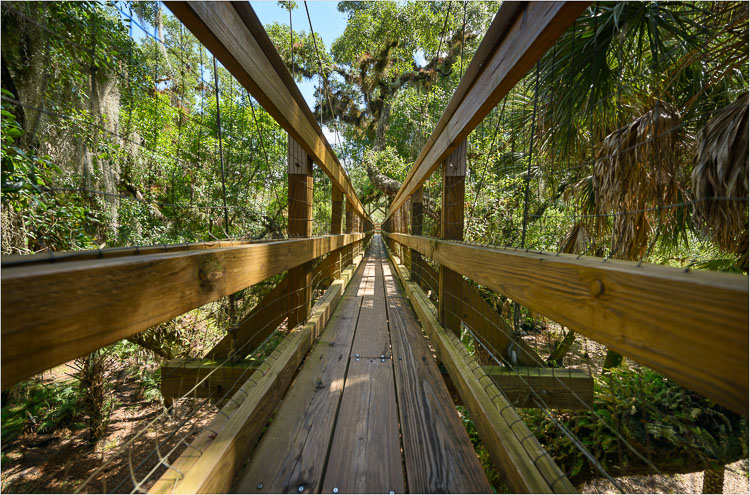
x=356, y=355
x=260, y=486
x=301, y=488
x=382, y=356
x=335, y=490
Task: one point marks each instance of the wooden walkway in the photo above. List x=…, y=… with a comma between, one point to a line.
x=368, y=411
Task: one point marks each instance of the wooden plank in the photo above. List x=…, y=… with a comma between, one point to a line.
x=520, y=35
x=678, y=323
x=366, y=451
x=233, y=33
x=291, y=455
x=558, y=388
x=180, y=376
x=14, y=260
x=513, y=448
x=57, y=312
x=210, y=463
x=372, y=338
x=494, y=332
x=260, y=322
x=439, y=457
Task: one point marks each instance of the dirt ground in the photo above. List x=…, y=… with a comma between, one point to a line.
x=61, y=461
x=735, y=481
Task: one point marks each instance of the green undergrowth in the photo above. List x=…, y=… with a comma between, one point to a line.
x=495, y=479
x=36, y=407
x=676, y=429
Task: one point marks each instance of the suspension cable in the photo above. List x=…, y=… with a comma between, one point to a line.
x=221, y=151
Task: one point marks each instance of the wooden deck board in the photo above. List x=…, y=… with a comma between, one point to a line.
x=438, y=454
x=292, y=452
x=371, y=338
x=365, y=424
x=366, y=452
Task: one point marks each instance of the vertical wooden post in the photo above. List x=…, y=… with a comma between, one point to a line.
x=349, y=250
x=337, y=209
x=452, y=227
x=300, y=183
x=416, y=229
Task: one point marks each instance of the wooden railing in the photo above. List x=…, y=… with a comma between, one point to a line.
x=690, y=326
x=59, y=306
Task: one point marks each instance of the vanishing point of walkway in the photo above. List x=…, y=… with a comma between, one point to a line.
x=368, y=411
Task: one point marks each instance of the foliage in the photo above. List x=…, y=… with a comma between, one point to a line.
x=94, y=400
x=675, y=428
x=495, y=479
x=35, y=406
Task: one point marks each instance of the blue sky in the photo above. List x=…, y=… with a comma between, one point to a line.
x=327, y=21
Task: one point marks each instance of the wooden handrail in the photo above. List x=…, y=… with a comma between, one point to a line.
x=690, y=326
x=513, y=448
x=235, y=35
x=520, y=34
x=55, y=312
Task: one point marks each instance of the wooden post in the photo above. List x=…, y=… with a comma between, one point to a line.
x=349, y=250
x=416, y=229
x=300, y=225
x=337, y=209
x=452, y=227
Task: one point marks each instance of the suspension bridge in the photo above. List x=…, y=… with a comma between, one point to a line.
x=360, y=394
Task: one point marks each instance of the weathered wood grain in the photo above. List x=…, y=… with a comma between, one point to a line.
x=557, y=388
x=366, y=452
x=513, y=448
x=439, y=457
x=290, y=455
x=180, y=376
x=210, y=464
x=371, y=339
x=59, y=311
x=690, y=326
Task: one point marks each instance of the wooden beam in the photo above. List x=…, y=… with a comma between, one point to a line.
x=55, y=312
x=513, y=448
x=260, y=322
x=452, y=227
x=15, y=260
x=494, y=332
x=300, y=194
x=180, y=376
x=233, y=33
x=558, y=388
x=417, y=212
x=690, y=326
x=521, y=34
x=210, y=464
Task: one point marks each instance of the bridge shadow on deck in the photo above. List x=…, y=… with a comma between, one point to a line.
x=368, y=411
